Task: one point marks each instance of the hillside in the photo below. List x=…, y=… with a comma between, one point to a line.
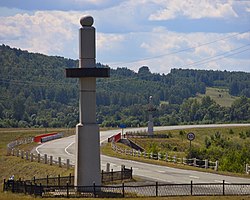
x=35, y=93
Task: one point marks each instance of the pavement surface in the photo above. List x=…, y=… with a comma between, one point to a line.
x=65, y=148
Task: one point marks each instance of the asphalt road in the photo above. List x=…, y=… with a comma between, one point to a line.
x=64, y=148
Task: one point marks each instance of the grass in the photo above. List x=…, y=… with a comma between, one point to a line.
x=178, y=145
x=25, y=169
x=20, y=167
x=220, y=95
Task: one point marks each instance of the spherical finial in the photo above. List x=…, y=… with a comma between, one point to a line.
x=87, y=21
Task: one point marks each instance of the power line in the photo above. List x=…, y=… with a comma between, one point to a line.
x=182, y=50
x=210, y=58
x=218, y=58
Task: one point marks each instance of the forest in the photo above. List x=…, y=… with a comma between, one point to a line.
x=35, y=93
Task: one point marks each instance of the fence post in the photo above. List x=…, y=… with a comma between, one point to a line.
x=223, y=185
x=67, y=190
x=47, y=181
x=191, y=188
x=174, y=158
x=70, y=178
x=22, y=154
x=31, y=157
x=59, y=161
x=35, y=189
x=206, y=163
x=194, y=162
x=94, y=189
x=45, y=159
x=111, y=175
x=27, y=155
x=216, y=165
x=59, y=180
x=156, y=189
x=247, y=169
x=68, y=164
x=40, y=190
x=123, y=190
x=166, y=157
x=108, y=167
x=25, y=188
x=159, y=156
x=34, y=179
x=38, y=158
x=51, y=160
x=17, y=153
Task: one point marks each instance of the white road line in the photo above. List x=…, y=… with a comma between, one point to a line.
x=161, y=171
x=66, y=151
x=220, y=181
x=39, y=147
x=194, y=177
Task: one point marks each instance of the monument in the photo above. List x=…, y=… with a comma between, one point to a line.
x=151, y=109
x=87, y=144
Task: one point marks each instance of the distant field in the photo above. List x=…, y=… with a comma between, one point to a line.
x=220, y=95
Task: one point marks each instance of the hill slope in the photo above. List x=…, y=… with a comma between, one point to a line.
x=35, y=92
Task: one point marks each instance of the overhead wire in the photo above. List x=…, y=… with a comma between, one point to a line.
x=179, y=51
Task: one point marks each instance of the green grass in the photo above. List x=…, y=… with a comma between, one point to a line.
x=179, y=145
x=220, y=95
x=25, y=169
x=20, y=167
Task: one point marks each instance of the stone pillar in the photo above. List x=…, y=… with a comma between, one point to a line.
x=87, y=165
x=150, y=118
x=206, y=164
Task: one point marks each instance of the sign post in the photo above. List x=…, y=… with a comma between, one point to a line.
x=190, y=137
x=122, y=126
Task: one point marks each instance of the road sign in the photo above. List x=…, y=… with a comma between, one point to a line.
x=122, y=126
x=190, y=136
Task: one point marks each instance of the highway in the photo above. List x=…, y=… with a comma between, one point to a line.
x=65, y=148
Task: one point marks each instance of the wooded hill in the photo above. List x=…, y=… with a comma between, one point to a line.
x=34, y=92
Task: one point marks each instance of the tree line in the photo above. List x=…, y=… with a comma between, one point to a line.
x=35, y=93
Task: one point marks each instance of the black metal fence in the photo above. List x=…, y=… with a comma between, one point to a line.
x=153, y=190
x=106, y=177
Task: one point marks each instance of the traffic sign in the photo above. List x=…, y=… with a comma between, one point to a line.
x=190, y=136
x=122, y=125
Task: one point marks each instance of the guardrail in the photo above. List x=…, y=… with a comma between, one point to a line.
x=247, y=169
x=165, y=157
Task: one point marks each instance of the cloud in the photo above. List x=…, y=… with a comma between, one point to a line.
x=192, y=9
x=44, y=32
x=125, y=36
x=63, y=5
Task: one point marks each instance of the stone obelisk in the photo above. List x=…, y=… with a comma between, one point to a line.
x=87, y=166
x=150, y=117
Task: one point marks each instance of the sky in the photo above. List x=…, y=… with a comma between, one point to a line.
x=160, y=34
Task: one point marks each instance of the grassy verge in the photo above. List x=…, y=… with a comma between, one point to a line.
x=180, y=144
x=20, y=167
x=25, y=169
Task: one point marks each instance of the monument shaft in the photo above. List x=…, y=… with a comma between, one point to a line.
x=87, y=166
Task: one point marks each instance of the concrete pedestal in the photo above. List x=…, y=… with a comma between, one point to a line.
x=87, y=166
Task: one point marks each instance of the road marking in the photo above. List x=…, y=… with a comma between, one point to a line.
x=39, y=147
x=66, y=151
x=161, y=171
x=220, y=181
x=194, y=177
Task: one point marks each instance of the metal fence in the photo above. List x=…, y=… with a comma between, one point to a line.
x=106, y=177
x=153, y=190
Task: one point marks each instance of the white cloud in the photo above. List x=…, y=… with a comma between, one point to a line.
x=44, y=32
x=192, y=9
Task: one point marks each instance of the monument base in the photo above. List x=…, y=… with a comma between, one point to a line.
x=87, y=166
